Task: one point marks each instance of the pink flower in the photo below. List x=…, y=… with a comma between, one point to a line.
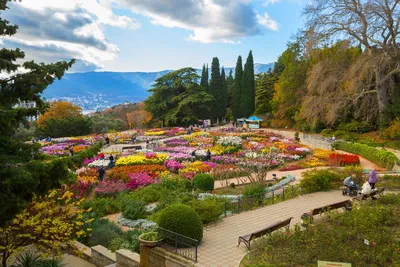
x=140, y=179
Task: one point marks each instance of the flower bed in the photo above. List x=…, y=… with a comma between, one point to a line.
x=139, y=159
x=122, y=172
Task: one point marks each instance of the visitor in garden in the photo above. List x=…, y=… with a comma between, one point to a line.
x=372, y=178
x=194, y=153
x=101, y=172
x=133, y=139
x=333, y=138
x=71, y=151
x=111, y=164
x=208, y=155
x=107, y=141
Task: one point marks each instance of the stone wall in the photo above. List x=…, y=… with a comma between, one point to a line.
x=311, y=140
x=158, y=257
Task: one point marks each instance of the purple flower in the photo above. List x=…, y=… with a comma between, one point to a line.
x=173, y=165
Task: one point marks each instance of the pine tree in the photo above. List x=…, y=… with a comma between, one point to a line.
x=21, y=174
x=264, y=92
x=230, y=83
x=204, y=77
x=224, y=94
x=216, y=89
x=247, y=103
x=207, y=82
x=237, y=89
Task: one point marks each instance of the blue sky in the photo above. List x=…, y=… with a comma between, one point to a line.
x=143, y=35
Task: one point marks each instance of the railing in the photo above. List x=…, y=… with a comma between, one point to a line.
x=178, y=244
x=260, y=200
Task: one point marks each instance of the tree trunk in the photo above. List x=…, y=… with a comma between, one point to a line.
x=382, y=95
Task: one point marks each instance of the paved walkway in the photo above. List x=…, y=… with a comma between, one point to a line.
x=218, y=247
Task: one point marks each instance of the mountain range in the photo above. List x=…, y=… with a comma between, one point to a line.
x=98, y=90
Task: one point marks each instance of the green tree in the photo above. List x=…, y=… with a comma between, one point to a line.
x=291, y=86
x=216, y=90
x=237, y=89
x=204, y=77
x=224, y=93
x=247, y=103
x=72, y=126
x=230, y=83
x=104, y=123
x=178, y=99
x=18, y=184
x=264, y=92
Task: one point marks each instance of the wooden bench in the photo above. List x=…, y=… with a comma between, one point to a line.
x=372, y=194
x=268, y=230
x=342, y=204
x=131, y=147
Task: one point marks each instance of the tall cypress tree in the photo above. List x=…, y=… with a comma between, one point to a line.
x=247, y=103
x=224, y=94
x=207, y=81
x=237, y=89
x=204, y=77
x=230, y=83
x=216, y=89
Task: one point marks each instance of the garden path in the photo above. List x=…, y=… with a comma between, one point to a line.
x=366, y=164
x=218, y=247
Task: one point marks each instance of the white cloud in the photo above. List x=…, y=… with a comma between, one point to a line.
x=58, y=30
x=268, y=2
x=209, y=21
x=267, y=22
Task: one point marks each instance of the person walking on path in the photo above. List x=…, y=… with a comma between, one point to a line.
x=111, y=164
x=208, y=155
x=71, y=151
x=372, y=178
x=101, y=172
x=107, y=141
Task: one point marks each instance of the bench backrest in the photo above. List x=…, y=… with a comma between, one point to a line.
x=271, y=228
x=330, y=207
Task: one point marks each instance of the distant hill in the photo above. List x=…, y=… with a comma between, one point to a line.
x=99, y=90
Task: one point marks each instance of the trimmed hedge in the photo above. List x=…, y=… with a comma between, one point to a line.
x=380, y=157
x=181, y=219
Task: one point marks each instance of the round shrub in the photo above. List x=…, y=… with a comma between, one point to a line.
x=203, y=182
x=209, y=210
x=181, y=219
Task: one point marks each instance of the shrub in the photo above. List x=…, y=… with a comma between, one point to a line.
x=102, y=206
x=103, y=232
x=253, y=189
x=203, y=182
x=354, y=127
x=380, y=157
x=320, y=180
x=181, y=219
x=127, y=240
x=327, y=132
x=149, y=194
x=209, y=209
x=133, y=209
x=393, y=131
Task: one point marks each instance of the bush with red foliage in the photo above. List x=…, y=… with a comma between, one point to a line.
x=336, y=159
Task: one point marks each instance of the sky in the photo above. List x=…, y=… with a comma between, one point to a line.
x=152, y=35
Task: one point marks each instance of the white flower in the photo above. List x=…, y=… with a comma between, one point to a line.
x=230, y=141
